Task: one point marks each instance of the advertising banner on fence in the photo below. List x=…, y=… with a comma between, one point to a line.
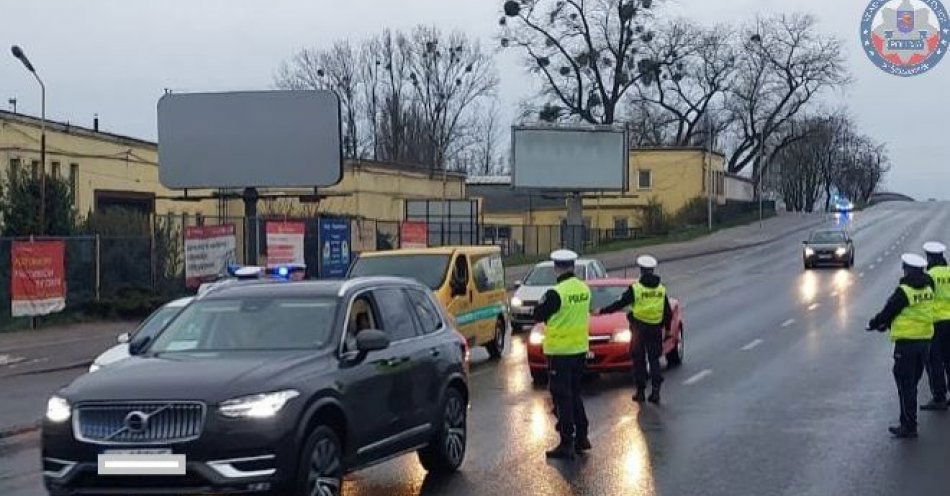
x=414, y=235
x=37, y=278
x=285, y=243
x=208, y=250
x=335, y=246
x=362, y=236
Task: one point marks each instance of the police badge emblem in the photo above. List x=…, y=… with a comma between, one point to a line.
x=905, y=37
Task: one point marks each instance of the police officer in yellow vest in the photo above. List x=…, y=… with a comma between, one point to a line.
x=649, y=314
x=938, y=368
x=565, y=310
x=909, y=314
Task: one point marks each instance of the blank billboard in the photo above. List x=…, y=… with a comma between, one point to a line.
x=249, y=139
x=572, y=159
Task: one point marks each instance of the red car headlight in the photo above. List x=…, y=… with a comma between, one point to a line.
x=622, y=336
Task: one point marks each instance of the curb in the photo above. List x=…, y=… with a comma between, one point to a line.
x=57, y=368
x=16, y=430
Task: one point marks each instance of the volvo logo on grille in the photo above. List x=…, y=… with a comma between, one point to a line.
x=136, y=421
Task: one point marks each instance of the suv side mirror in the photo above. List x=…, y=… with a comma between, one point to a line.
x=123, y=338
x=136, y=346
x=805, y=242
x=371, y=340
x=519, y=283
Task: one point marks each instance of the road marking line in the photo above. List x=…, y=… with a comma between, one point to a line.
x=698, y=377
x=880, y=259
x=752, y=345
x=788, y=322
x=861, y=274
x=626, y=419
x=871, y=266
x=813, y=306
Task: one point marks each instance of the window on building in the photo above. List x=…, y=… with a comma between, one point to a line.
x=73, y=177
x=14, y=166
x=621, y=226
x=35, y=168
x=645, y=179
x=55, y=168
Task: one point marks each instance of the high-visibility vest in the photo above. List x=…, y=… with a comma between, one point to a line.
x=567, y=331
x=941, y=276
x=648, y=303
x=916, y=320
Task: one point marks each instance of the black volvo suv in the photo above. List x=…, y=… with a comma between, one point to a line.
x=274, y=389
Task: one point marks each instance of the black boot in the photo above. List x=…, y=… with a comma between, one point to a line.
x=563, y=451
x=935, y=405
x=582, y=444
x=899, y=432
x=654, y=395
x=640, y=395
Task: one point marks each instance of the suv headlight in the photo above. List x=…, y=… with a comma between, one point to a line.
x=262, y=405
x=841, y=251
x=58, y=410
x=622, y=336
x=516, y=302
x=809, y=252
x=94, y=367
x=536, y=337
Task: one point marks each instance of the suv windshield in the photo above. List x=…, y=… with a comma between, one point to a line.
x=427, y=269
x=828, y=237
x=157, y=320
x=543, y=275
x=249, y=324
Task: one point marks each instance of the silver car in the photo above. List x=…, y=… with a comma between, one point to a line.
x=541, y=278
x=828, y=247
x=151, y=325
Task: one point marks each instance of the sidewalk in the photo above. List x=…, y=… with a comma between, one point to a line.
x=733, y=238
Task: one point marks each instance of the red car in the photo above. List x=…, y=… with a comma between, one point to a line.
x=610, y=335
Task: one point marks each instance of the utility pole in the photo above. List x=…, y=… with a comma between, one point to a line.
x=709, y=173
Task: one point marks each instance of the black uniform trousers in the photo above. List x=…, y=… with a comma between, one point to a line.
x=566, y=374
x=910, y=359
x=647, y=349
x=938, y=367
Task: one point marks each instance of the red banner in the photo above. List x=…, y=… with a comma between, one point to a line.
x=285, y=243
x=37, y=278
x=414, y=235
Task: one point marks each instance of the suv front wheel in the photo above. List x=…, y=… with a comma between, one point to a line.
x=446, y=451
x=497, y=345
x=321, y=466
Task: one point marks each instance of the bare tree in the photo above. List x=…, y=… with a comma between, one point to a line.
x=783, y=64
x=334, y=69
x=694, y=85
x=450, y=75
x=588, y=54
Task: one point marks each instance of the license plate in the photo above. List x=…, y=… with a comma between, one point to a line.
x=141, y=464
x=824, y=257
x=591, y=355
x=144, y=451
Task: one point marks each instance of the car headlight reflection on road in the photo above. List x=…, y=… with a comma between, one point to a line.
x=258, y=405
x=809, y=252
x=516, y=302
x=536, y=337
x=841, y=251
x=58, y=409
x=622, y=336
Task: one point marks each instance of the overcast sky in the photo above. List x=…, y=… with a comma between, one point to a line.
x=114, y=57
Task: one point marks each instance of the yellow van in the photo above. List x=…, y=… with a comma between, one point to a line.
x=468, y=280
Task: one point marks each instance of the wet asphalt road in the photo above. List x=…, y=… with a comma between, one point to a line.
x=782, y=393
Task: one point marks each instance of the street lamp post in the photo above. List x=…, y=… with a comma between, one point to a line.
x=18, y=53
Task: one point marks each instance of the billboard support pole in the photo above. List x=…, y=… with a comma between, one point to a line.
x=575, y=221
x=250, y=214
